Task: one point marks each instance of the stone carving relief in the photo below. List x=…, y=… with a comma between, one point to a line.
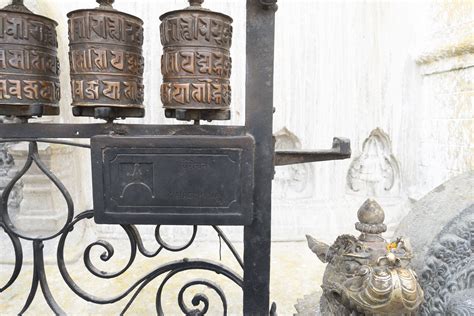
x=447, y=276
x=376, y=171
x=294, y=181
x=8, y=170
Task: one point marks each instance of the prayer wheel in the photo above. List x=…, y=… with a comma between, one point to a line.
x=196, y=63
x=106, y=63
x=29, y=67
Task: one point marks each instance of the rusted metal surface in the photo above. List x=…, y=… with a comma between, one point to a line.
x=341, y=149
x=196, y=63
x=29, y=67
x=106, y=62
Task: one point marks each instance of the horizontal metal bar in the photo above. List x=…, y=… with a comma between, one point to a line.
x=43, y=140
x=47, y=130
x=341, y=149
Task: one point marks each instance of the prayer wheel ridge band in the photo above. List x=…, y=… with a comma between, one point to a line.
x=196, y=63
x=106, y=61
x=29, y=66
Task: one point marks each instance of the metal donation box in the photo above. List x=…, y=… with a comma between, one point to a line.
x=173, y=180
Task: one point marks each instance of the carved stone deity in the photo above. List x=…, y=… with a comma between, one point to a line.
x=368, y=275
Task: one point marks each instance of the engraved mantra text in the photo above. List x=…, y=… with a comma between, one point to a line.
x=113, y=90
x=96, y=26
x=28, y=29
x=203, y=91
x=27, y=59
x=37, y=90
x=97, y=59
x=196, y=63
x=194, y=28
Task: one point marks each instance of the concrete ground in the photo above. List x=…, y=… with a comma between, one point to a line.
x=296, y=272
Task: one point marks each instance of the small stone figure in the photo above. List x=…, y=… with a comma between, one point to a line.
x=368, y=275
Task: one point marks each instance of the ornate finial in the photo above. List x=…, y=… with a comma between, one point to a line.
x=17, y=6
x=269, y=4
x=195, y=3
x=105, y=3
x=371, y=217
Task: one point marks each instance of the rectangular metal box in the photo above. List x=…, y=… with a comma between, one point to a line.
x=173, y=180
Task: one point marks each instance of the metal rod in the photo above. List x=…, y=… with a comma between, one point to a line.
x=341, y=149
x=259, y=121
x=195, y=3
x=41, y=140
x=105, y=3
x=40, y=130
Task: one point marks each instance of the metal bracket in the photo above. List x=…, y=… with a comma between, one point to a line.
x=273, y=309
x=269, y=4
x=341, y=149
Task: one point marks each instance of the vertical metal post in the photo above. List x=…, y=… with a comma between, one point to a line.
x=259, y=121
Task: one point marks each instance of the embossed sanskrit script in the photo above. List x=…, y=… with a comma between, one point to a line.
x=106, y=59
x=29, y=67
x=196, y=63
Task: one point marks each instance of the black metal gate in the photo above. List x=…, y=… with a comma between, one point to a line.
x=252, y=156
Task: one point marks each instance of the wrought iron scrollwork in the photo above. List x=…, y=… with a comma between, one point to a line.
x=33, y=157
x=18, y=257
x=197, y=299
x=200, y=302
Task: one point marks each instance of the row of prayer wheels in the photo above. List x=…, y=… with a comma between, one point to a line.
x=107, y=64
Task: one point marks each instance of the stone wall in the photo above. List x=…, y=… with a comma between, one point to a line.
x=395, y=76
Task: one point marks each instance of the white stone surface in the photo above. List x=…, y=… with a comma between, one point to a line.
x=341, y=69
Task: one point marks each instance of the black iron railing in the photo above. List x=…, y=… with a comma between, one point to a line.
x=254, y=278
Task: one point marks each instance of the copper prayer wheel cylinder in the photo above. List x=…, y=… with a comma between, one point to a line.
x=106, y=61
x=29, y=67
x=196, y=63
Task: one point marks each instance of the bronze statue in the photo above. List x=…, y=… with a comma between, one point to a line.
x=368, y=275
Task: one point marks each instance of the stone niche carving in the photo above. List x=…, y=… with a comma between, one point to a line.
x=294, y=181
x=444, y=247
x=8, y=170
x=376, y=171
